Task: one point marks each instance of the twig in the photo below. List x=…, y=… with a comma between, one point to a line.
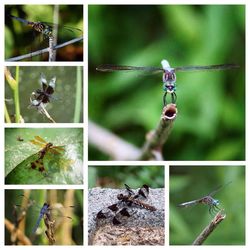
x=156, y=139
x=19, y=233
x=51, y=50
x=39, y=52
x=219, y=217
x=111, y=144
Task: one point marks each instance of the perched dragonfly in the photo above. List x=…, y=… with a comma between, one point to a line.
x=169, y=76
x=45, y=148
x=41, y=97
x=46, y=212
x=45, y=28
x=207, y=200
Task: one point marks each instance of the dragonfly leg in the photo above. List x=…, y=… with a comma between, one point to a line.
x=165, y=99
x=173, y=97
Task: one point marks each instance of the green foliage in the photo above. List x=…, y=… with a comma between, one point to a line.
x=210, y=124
x=134, y=176
x=66, y=168
x=193, y=182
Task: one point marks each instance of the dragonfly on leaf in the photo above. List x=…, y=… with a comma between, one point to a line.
x=168, y=73
x=46, y=148
x=206, y=200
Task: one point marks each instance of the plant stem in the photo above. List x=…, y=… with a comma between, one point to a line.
x=78, y=99
x=16, y=96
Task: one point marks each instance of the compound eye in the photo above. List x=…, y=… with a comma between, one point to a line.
x=173, y=76
x=165, y=77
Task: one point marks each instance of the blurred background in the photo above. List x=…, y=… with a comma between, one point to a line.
x=210, y=123
x=193, y=182
x=134, y=176
x=66, y=104
x=63, y=168
x=21, y=39
x=25, y=211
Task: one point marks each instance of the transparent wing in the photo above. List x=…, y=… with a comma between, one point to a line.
x=113, y=68
x=188, y=203
x=207, y=68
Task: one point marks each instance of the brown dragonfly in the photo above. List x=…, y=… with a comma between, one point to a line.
x=46, y=147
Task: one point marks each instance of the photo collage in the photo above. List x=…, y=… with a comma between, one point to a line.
x=84, y=164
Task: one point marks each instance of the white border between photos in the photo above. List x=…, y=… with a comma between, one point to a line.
x=85, y=125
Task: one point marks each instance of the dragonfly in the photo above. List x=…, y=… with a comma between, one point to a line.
x=47, y=212
x=41, y=97
x=206, y=200
x=168, y=74
x=45, y=28
x=46, y=147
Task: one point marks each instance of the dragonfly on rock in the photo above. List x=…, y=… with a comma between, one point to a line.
x=206, y=200
x=169, y=76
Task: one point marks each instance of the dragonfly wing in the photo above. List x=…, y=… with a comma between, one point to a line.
x=219, y=188
x=112, y=68
x=20, y=19
x=206, y=68
x=188, y=203
x=37, y=143
x=51, y=87
x=43, y=82
x=37, y=137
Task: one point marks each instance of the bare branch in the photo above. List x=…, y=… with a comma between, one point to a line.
x=42, y=51
x=111, y=144
x=156, y=139
x=219, y=217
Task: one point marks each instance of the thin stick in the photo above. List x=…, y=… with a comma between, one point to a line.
x=156, y=139
x=19, y=233
x=111, y=144
x=39, y=52
x=219, y=217
x=51, y=50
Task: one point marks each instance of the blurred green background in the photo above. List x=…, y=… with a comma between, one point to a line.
x=72, y=235
x=134, y=176
x=193, y=182
x=20, y=39
x=66, y=168
x=210, y=124
x=63, y=107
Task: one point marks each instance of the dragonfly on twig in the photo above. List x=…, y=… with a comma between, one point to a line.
x=45, y=28
x=169, y=76
x=206, y=200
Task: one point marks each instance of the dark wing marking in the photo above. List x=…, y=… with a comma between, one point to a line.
x=113, y=207
x=124, y=212
x=144, y=191
x=129, y=190
x=101, y=215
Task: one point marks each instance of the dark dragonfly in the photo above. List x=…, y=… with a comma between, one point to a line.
x=168, y=77
x=120, y=209
x=41, y=97
x=206, y=200
x=45, y=28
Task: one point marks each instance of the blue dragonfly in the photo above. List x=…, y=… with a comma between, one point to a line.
x=206, y=200
x=48, y=213
x=168, y=77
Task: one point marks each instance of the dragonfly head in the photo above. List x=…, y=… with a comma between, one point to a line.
x=168, y=78
x=216, y=202
x=120, y=196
